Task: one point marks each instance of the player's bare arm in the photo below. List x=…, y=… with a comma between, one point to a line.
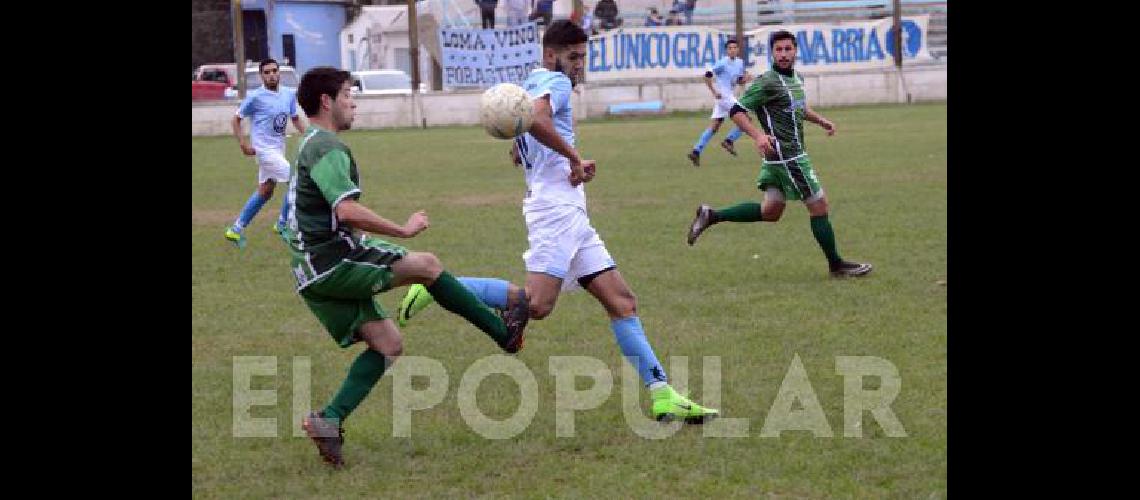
x=763, y=142
x=352, y=213
x=514, y=154
x=818, y=119
x=242, y=142
x=709, y=84
x=543, y=131
x=297, y=123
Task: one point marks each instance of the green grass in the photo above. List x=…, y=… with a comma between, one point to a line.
x=753, y=294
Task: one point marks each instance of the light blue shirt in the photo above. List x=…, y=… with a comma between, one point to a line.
x=726, y=72
x=271, y=112
x=547, y=172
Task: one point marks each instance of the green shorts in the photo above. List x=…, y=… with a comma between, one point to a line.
x=342, y=299
x=795, y=178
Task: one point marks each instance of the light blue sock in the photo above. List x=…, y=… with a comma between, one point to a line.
x=735, y=134
x=284, y=209
x=705, y=136
x=491, y=291
x=256, y=201
x=631, y=338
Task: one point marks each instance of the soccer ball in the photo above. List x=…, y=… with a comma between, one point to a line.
x=506, y=111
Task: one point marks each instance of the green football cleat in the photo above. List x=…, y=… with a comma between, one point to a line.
x=235, y=237
x=415, y=301
x=668, y=405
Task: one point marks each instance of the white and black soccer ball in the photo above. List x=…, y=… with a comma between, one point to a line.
x=506, y=111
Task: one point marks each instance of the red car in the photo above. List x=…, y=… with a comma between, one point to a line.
x=211, y=81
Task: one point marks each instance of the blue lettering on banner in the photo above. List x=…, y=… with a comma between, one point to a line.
x=632, y=52
x=694, y=50
x=592, y=53
x=663, y=50
x=621, y=57
x=814, y=51
x=839, y=45
x=708, y=56
x=597, y=48
x=643, y=50
x=618, y=63
x=680, y=57
x=855, y=43
x=803, y=47
x=874, y=51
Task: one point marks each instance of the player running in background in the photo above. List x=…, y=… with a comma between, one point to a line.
x=780, y=103
x=270, y=107
x=721, y=80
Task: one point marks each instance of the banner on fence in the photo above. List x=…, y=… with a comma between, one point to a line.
x=484, y=57
x=686, y=51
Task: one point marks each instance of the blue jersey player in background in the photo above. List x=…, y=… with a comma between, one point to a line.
x=270, y=107
x=721, y=80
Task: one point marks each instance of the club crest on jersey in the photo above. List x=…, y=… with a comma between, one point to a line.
x=279, y=123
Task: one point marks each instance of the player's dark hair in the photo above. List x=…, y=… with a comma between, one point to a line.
x=322, y=80
x=563, y=33
x=729, y=42
x=266, y=62
x=781, y=35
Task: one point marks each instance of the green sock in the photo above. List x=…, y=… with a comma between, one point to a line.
x=362, y=375
x=825, y=236
x=453, y=296
x=740, y=212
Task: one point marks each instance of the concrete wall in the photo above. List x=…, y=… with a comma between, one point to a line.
x=924, y=83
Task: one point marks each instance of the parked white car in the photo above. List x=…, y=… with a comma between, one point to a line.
x=383, y=82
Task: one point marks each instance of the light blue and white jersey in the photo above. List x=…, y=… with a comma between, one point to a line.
x=726, y=72
x=547, y=172
x=271, y=112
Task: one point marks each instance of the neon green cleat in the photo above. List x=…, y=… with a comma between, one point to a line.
x=235, y=237
x=415, y=301
x=668, y=405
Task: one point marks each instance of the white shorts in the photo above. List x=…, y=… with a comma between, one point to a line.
x=723, y=106
x=563, y=244
x=271, y=164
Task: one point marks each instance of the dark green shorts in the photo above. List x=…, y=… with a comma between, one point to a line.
x=795, y=178
x=342, y=299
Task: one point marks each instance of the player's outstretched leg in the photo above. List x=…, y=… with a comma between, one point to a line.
x=507, y=331
x=621, y=305
x=706, y=217
x=493, y=292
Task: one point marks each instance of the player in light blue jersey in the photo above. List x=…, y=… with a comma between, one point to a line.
x=270, y=107
x=721, y=81
x=565, y=251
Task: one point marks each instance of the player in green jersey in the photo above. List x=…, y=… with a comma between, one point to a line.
x=338, y=268
x=778, y=99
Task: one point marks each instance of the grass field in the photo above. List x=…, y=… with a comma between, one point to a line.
x=756, y=295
